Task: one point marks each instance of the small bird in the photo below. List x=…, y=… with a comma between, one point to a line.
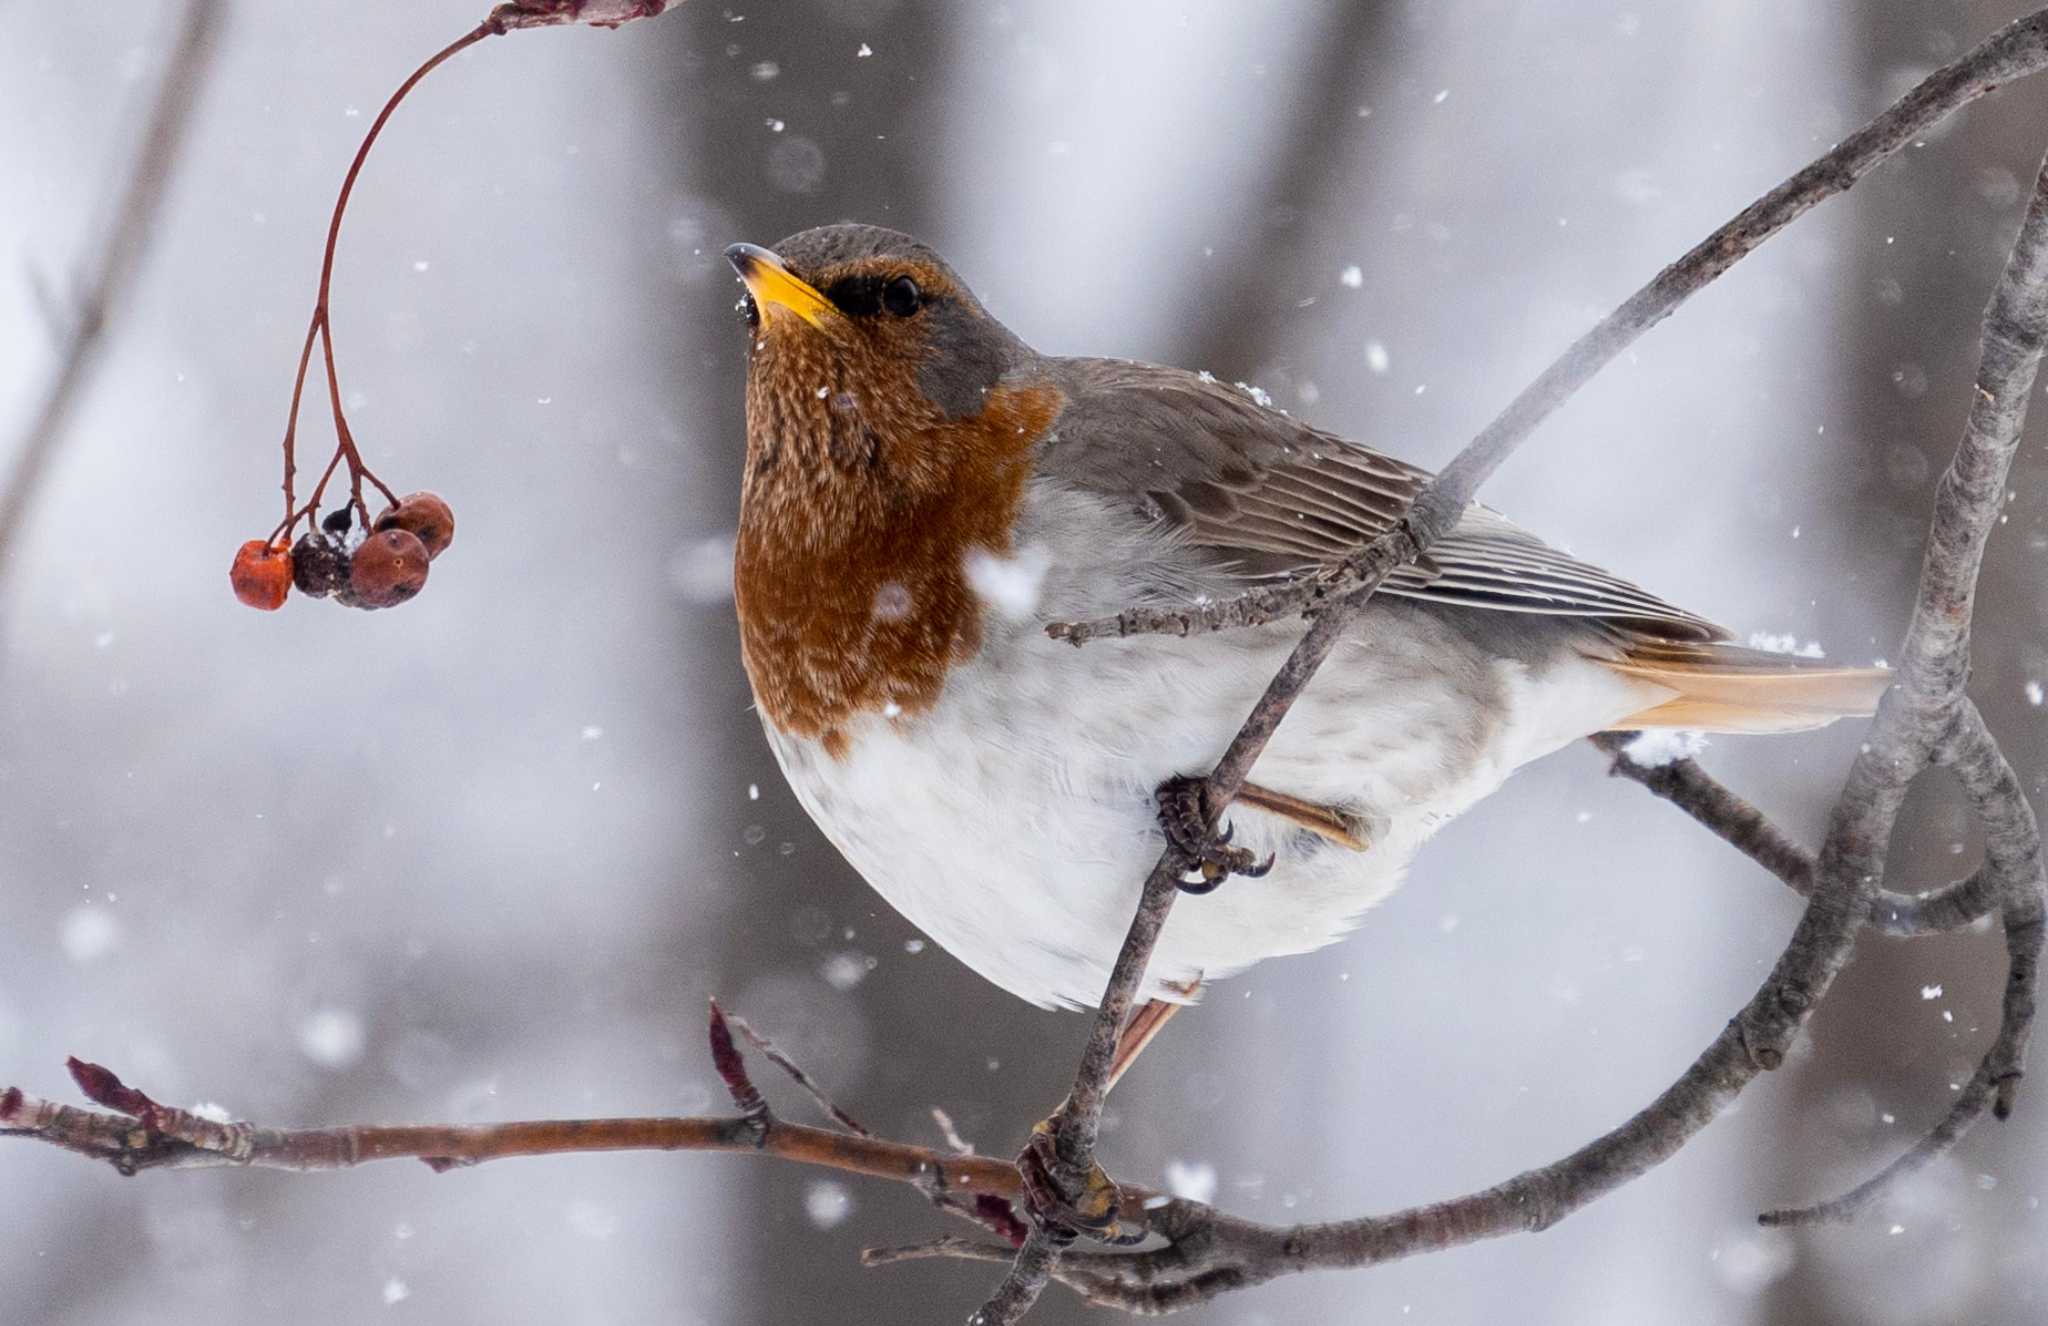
x=924, y=493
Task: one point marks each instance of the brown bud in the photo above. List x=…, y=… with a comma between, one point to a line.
x=319, y=564
x=388, y=568
x=426, y=516
x=262, y=574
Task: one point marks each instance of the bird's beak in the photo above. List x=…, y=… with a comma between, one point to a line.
x=774, y=286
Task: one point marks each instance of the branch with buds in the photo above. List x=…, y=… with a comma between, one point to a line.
x=1198, y=1252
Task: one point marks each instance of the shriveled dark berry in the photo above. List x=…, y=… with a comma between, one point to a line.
x=388, y=568
x=319, y=564
x=426, y=516
x=262, y=574
x=338, y=520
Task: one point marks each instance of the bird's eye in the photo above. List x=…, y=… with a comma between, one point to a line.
x=902, y=297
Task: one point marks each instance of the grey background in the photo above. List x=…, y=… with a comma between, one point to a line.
x=483, y=858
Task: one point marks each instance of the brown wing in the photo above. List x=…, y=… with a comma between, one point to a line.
x=1276, y=497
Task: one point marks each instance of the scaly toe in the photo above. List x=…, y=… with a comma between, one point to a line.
x=1065, y=1204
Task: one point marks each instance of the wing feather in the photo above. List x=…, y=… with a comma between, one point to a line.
x=1274, y=497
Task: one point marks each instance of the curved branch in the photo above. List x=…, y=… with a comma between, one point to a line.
x=1917, y=716
x=1742, y=826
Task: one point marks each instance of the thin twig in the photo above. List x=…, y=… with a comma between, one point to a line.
x=798, y=1075
x=1696, y=792
x=103, y=294
x=133, y=1133
x=2015, y=51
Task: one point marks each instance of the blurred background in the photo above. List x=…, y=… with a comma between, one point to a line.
x=484, y=858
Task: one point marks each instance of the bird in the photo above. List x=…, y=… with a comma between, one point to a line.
x=923, y=494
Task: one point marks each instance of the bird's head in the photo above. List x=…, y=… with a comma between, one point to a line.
x=891, y=430
x=863, y=347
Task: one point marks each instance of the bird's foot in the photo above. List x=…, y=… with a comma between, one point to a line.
x=1206, y=857
x=1066, y=1201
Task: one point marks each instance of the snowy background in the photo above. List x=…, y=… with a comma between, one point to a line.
x=483, y=858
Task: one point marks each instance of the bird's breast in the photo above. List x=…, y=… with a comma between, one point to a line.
x=850, y=580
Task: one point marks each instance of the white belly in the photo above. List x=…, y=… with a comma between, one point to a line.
x=1014, y=821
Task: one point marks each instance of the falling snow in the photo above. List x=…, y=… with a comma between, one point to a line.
x=88, y=933
x=827, y=1203
x=843, y=971
x=1010, y=585
x=701, y=571
x=1191, y=1180
x=332, y=1037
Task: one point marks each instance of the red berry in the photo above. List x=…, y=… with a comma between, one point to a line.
x=262, y=574
x=426, y=516
x=388, y=568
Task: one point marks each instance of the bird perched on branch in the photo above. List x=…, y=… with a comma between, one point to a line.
x=925, y=493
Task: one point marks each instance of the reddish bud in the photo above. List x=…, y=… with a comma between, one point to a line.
x=425, y=516
x=262, y=574
x=388, y=568
x=102, y=1087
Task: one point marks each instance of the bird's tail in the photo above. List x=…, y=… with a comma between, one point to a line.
x=1721, y=687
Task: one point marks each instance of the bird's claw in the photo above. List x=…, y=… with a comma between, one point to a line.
x=1207, y=858
x=1066, y=1203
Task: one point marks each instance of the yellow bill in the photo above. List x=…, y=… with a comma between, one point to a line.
x=773, y=286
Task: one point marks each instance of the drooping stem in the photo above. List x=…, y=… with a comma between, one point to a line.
x=320, y=325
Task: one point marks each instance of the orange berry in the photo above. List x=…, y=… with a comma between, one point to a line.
x=262, y=574
x=388, y=568
x=426, y=516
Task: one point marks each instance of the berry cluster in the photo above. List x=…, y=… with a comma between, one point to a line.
x=388, y=564
x=383, y=568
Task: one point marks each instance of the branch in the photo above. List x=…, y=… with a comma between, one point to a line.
x=133, y=1133
x=1696, y=792
x=126, y=240
x=2014, y=865
x=1916, y=718
x=2015, y=51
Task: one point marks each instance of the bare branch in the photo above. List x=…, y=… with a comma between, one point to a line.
x=104, y=290
x=2015, y=51
x=1925, y=721
x=1920, y=712
x=133, y=1133
x=2014, y=866
x=1696, y=792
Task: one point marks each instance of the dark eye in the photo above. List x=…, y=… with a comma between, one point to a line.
x=902, y=297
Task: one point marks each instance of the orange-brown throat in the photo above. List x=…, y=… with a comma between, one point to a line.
x=861, y=498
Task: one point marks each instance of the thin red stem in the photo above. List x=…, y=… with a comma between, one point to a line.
x=322, y=327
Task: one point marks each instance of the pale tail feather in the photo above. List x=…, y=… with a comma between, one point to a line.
x=1720, y=687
